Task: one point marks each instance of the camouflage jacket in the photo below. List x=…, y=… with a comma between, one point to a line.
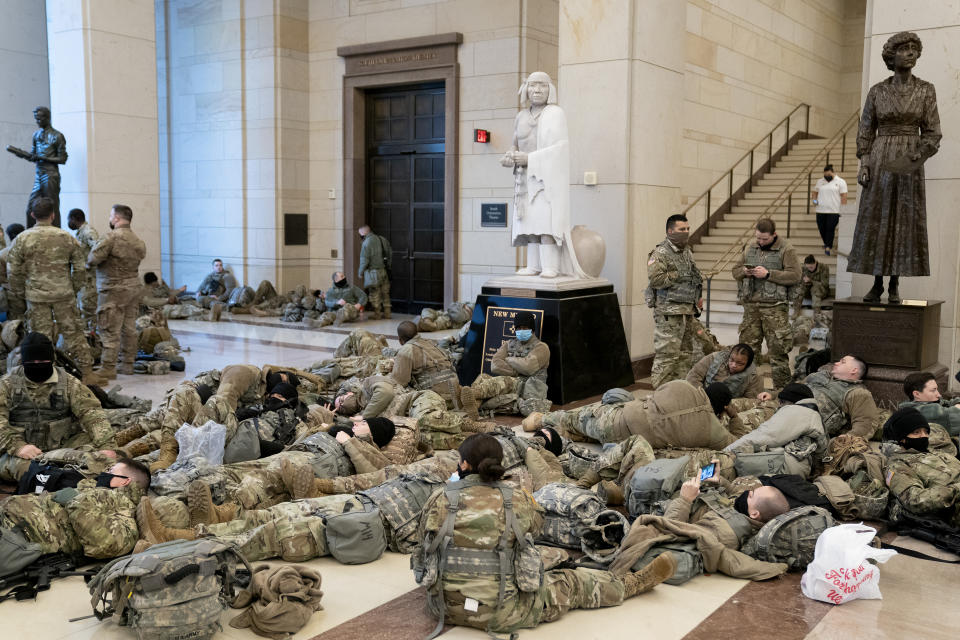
x=117, y=258
x=375, y=258
x=351, y=294
x=46, y=264
x=528, y=359
x=83, y=407
x=944, y=413
x=843, y=404
x=818, y=277
x=88, y=237
x=217, y=284
x=421, y=364
x=675, y=280
x=713, y=368
x=924, y=482
x=780, y=259
x=156, y=294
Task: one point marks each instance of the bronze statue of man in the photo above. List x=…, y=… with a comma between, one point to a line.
x=49, y=150
x=899, y=130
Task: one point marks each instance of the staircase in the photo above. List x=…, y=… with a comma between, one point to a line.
x=725, y=313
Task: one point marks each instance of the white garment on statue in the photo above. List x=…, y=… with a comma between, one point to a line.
x=828, y=194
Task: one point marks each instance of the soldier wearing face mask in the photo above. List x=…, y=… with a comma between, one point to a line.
x=344, y=302
x=520, y=381
x=42, y=407
x=675, y=295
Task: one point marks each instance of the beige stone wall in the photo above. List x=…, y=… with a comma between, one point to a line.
x=749, y=63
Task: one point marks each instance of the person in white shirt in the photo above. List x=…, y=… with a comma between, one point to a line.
x=829, y=194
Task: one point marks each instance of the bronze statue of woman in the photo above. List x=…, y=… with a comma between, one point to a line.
x=899, y=130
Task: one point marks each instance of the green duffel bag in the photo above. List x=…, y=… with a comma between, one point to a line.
x=689, y=560
x=16, y=552
x=356, y=537
x=761, y=463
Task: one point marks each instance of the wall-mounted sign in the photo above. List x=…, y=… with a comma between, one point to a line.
x=481, y=135
x=493, y=214
x=499, y=327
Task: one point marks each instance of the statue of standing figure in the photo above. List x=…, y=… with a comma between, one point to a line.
x=49, y=151
x=899, y=130
x=540, y=159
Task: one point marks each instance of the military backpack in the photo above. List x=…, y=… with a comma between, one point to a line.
x=790, y=538
x=172, y=591
x=331, y=459
x=568, y=511
x=654, y=484
x=688, y=557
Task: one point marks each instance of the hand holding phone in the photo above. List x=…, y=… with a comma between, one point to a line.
x=708, y=471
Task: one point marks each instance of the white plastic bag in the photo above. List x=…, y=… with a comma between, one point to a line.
x=206, y=442
x=840, y=571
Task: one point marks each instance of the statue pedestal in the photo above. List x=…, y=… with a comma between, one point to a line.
x=578, y=319
x=895, y=340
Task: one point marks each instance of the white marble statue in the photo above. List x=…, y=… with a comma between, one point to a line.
x=540, y=159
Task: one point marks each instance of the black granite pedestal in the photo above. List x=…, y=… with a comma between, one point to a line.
x=582, y=327
x=894, y=339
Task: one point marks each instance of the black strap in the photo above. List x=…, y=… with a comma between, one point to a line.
x=916, y=554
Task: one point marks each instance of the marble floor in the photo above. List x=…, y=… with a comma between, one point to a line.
x=381, y=599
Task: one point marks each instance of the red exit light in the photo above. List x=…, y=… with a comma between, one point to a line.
x=481, y=135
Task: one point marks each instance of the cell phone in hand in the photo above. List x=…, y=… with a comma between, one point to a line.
x=708, y=471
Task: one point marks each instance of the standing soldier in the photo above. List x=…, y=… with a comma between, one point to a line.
x=375, y=261
x=674, y=294
x=117, y=257
x=47, y=270
x=88, y=237
x=766, y=271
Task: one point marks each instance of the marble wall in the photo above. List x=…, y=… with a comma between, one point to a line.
x=25, y=85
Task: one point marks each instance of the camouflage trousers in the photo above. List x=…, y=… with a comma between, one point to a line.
x=360, y=342
x=770, y=323
x=440, y=465
x=117, y=324
x=619, y=463
x=751, y=413
x=183, y=311
x=42, y=316
x=378, y=296
x=346, y=313
x=87, y=297
x=293, y=531
x=181, y=407
x=817, y=292
x=265, y=297
x=510, y=394
x=672, y=345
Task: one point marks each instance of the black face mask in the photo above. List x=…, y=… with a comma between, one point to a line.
x=740, y=504
x=917, y=444
x=828, y=178
x=275, y=404
x=103, y=480
x=341, y=283
x=37, y=371
x=73, y=226
x=111, y=226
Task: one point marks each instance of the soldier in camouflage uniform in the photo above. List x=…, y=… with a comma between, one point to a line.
x=674, y=294
x=520, y=381
x=925, y=482
x=47, y=270
x=615, y=418
x=845, y=404
x=924, y=395
x=815, y=283
x=16, y=307
x=361, y=342
x=766, y=273
x=95, y=518
x=117, y=258
x=216, y=286
x=344, y=303
x=42, y=407
x=421, y=365
x=88, y=237
x=375, y=260
x=485, y=592
x=456, y=315
x=733, y=367
x=614, y=467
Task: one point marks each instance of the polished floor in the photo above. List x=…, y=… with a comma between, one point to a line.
x=381, y=600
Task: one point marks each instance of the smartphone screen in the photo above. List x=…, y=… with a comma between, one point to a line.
x=708, y=471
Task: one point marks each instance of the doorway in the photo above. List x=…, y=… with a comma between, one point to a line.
x=405, y=147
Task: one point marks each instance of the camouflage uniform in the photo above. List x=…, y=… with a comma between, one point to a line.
x=337, y=314
x=360, y=342
x=117, y=257
x=440, y=465
x=47, y=270
x=818, y=288
x=156, y=295
x=620, y=461
x=751, y=413
x=944, y=413
x=44, y=414
x=455, y=315
x=520, y=383
x=844, y=405
x=765, y=302
x=98, y=521
x=675, y=289
x=713, y=368
x=479, y=525
x=88, y=237
x=375, y=259
x=216, y=287
x=420, y=364
x=613, y=422
x=926, y=483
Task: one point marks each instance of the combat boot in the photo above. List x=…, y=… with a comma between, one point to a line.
x=374, y=315
x=203, y=510
x=533, y=422
x=611, y=493
x=91, y=378
x=297, y=479
x=168, y=453
x=153, y=531
x=215, y=310
x=129, y=434
x=468, y=402
x=386, y=313
x=588, y=479
x=137, y=448
x=108, y=372
x=126, y=369
x=662, y=568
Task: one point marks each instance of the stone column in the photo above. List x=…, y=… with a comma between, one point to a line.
x=621, y=84
x=103, y=93
x=937, y=64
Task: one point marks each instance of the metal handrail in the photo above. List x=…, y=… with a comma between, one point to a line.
x=787, y=194
x=768, y=139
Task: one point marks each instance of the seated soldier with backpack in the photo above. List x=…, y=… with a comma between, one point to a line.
x=923, y=394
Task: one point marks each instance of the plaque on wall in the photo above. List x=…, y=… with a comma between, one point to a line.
x=493, y=214
x=499, y=327
x=295, y=230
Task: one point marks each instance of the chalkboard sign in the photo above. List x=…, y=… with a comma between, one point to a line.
x=493, y=214
x=499, y=327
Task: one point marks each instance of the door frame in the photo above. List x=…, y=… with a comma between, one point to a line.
x=399, y=63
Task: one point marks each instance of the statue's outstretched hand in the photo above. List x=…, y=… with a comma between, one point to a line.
x=507, y=159
x=863, y=177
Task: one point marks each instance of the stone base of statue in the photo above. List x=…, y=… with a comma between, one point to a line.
x=579, y=319
x=894, y=339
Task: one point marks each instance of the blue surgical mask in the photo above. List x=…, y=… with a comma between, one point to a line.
x=524, y=334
